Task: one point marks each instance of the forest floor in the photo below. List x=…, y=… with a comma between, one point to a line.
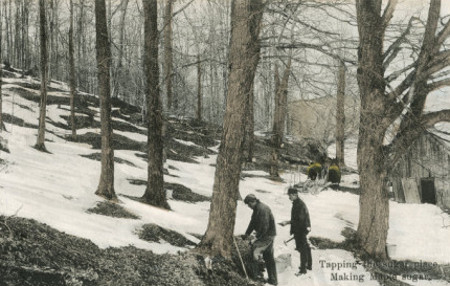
x=33, y=253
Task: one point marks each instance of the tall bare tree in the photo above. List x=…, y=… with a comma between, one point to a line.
x=154, y=193
x=381, y=107
x=72, y=79
x=106, y=185
x=279, y=119
x=118, y=73
x=246, y=18
x=40, y=144
x=168, y=54
x=199, y=89
x=340, y=114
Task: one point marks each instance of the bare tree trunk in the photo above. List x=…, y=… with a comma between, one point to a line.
x=106, y=185
x=72, y=73
x=7, y=23
x=249, y=135
x=249, y=139
x=40, y=144
x=154, y=193
x=279, y=120
x=246, y=18
x=22, y=30
x=168, y=54
x=57, y=66
x=1, y=68
x=16, y=53
x=199, y=89
x=51, y=58
x=374, y=205
x=26, y=48
x=10, y=35
x=340, y=115
x=118, y=69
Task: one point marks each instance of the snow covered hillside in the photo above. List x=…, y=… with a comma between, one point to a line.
x=58, y=189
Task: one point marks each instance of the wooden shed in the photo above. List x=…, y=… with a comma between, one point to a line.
x=422, y=175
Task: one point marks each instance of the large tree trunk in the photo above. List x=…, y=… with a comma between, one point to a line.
x=246, y=18
x=380, y=109
x=106, y=185
x=72, y=73
x=168, y=56
x=40, y=144
x=154, y=193
x=374, y=205
x=340, y=115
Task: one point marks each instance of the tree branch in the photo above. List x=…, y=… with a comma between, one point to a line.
x=182, y=8
x=388, y=13
x=438, y=84
x=394, y=49
x=429, y=39
x=431, y=118
x=394, y=75
x=403, y=86
x=443, y=35
x=319, y=48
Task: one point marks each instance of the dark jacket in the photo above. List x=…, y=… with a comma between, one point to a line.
x=299, y=218
x=262, y=222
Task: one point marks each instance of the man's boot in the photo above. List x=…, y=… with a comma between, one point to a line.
x=301, y=271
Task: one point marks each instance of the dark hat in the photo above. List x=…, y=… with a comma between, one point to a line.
x=250, y=198
x=292, y=191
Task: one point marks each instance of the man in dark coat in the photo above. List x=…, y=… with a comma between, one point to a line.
x=263, y=223
x=300, y=227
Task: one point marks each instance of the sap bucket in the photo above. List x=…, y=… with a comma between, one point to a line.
x=391, y=249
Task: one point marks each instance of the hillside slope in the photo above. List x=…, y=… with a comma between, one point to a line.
x=57, y=189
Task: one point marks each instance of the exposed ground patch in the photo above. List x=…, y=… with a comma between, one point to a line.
x=45, y=257
x=112, y=209
x=155, y=233
x=98, y=157
x=179, y=192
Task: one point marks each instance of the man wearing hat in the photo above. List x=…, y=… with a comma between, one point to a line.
x=263, y=223
x=300, y=227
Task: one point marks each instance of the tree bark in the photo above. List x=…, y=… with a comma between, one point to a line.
x=249, y=139
x=246, y=18
x=40, y=144
x=374, y=205
x=72, y=79
x=1, y=68
x=168, y=55
x=154, y=193
x=340, y=115
x=106, y=185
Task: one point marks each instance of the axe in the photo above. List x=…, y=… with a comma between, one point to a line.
x=286, y=241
